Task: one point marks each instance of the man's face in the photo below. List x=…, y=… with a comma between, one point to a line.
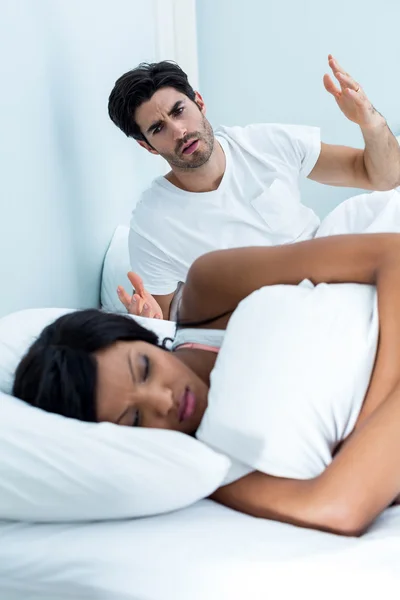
x=176, y=128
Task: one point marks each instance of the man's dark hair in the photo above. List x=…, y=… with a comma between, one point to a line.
x=138, y=86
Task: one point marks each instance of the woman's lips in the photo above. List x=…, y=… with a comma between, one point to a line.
x=187, y=405
x=191, y=148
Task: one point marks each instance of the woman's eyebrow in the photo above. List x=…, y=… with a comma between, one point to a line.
x=134, y=381
x=131, y=369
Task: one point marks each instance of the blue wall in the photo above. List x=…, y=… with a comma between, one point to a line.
x=68, y=176
x=262, y=61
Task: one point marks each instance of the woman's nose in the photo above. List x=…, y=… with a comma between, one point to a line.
x=160, y=401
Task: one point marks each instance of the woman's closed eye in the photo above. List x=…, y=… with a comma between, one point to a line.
x=145, y=371
x=145, y=367
x=136, y=419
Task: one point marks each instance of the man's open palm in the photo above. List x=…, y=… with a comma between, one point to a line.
x=140, y=303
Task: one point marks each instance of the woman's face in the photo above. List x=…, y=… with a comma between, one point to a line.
x=139, y=384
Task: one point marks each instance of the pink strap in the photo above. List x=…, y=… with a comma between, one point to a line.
x=199, y=347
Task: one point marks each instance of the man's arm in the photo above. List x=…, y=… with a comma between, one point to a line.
x=347, y=167
x=377, y=167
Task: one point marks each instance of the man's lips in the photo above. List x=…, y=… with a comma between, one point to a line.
x=190, y=147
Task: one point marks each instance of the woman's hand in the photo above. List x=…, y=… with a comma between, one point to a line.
x=351, y=98
x=140, y=303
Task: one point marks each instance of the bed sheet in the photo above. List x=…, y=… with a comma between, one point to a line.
x=204, y=552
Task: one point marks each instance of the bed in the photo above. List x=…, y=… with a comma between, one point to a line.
x=203, y=552
x=78, y=189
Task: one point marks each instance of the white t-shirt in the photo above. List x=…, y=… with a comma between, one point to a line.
x=256, y=204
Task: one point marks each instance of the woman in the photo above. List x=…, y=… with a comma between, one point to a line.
x=99, y=367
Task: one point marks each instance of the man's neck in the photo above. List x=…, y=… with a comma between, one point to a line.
x=203, y=179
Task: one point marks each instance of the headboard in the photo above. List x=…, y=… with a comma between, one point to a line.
x=68, y=175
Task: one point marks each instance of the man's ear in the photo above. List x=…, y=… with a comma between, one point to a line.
x=147, y=147
x=200, y=102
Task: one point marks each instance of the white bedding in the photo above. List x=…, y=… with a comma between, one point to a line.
x=205, y=552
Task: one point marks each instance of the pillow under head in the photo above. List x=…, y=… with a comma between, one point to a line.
x=57, y=469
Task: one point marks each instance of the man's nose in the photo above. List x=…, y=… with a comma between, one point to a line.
x=179, y=130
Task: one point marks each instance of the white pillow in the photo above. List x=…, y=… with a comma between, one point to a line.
x=291, y=376
x=116, y=266
x=18, y=330
x=376, y=212
x=58, y=469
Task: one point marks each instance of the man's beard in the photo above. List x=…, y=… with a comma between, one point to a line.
x=199, y=156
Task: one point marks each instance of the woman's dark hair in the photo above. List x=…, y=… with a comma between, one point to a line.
x=59, y=371
x=138, y=86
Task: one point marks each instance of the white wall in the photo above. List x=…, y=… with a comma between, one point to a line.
x=68, y=176
x=263, y=61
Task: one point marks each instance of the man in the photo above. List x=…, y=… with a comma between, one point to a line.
x=236, y=187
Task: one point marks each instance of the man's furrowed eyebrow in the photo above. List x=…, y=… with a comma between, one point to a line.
x=153, y=126
x=159, y=122
x=175, y=107
x=134, y=381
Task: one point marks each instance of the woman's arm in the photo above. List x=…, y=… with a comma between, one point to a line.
x=386, y=372
x=364, y=477
x=219, y=280
x=360, y=483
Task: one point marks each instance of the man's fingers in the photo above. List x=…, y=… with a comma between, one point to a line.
x=342, y=76
x=137, y=283
x=334, y=65
x=137, y=303
x=347, y=81
x=358, y=98
x=330, y=86
x=124, y=297
x=133, y=304
x=146, y=311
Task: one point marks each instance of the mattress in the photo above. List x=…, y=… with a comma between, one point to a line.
x=206, y=551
